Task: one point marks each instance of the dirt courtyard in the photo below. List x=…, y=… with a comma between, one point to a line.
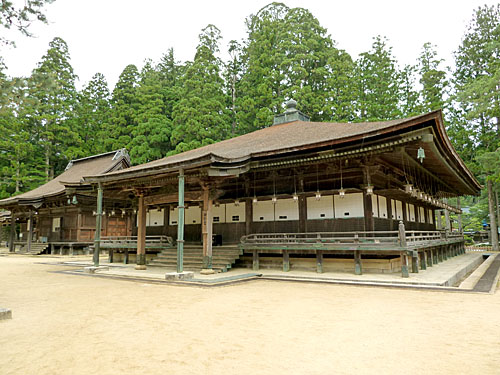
x=67, y=324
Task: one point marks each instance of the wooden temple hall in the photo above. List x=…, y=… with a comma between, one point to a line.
x=60, y=216
x=359, y=197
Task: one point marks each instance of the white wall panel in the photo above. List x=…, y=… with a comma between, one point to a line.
x=382, y=206
x=421, y=214
x=263, y=211
x=322, y=209
x=431, y=216
x=219, y=213
x=235, y=214
x=154, y=218
x=192, y=215
x=286, y=210
x=173, y=217
x=349, y=206
x=399, y=210
x=375, y=205
x=411, y=209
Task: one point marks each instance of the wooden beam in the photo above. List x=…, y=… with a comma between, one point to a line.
x=172, y=198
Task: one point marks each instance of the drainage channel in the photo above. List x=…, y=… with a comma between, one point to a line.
x=486, y=281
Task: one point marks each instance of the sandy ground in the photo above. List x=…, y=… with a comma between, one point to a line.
x=66, y=324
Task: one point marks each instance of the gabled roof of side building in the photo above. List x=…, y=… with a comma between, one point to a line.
x=75, y=170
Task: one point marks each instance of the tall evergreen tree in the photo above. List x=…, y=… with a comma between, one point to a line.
x=93, y=114
x=432, y=78
x=201, y=115
x=52, y=85
x=151, y=136
x=124, y=107
x=378, y=83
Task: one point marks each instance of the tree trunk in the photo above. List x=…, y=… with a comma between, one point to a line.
x=47, y=164
x=493, y=222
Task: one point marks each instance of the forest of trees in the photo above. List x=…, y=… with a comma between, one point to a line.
x=169, y=106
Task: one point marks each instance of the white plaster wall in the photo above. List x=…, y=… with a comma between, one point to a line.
x=375, y=205
x=411, y=209
x=382, y=206
x=263, y=211
x=174, y=216
x=235, y=214
x=349, y=206
x=56, y=224
x=154, y=218
x=431, y=216
x=219, y=212
x=399, y=210
x=192, y=215
x=393, y=209
x=286, y=210
x=322, y=209
x=421, y=215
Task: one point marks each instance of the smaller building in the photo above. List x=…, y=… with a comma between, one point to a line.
x=60, y=214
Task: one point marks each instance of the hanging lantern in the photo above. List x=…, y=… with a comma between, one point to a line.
x=94, y=213
x=342, y=193
x=237, y=202
x=414, y=193
x=274, y=199
x=369, y=190
x=255, y=200
x=318, y=195
x=421, y=154
x=408, y=188
x=74, y=201
x=69, y=200
x=135, y=211
x=113, y=213
x=295, y=197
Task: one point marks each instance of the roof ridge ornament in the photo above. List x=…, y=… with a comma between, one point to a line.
x=291, y=114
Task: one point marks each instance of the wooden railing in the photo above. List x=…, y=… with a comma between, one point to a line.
x=389, y=239
x=131, y=241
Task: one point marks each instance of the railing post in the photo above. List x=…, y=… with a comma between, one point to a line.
x=98, y=226
x=180, y=224
x=319, y=261
x=403, y=254
x=286, y=261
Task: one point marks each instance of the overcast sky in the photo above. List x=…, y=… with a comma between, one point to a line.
x=106, y=35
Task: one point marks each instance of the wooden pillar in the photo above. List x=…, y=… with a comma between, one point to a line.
x=319, y=261
x=180, y=224
x=414, y=263
x=460, y=226
x=78, y=225
x=302, y=213
x=12, y=236
x=358, y=269
x=367, y=206
x=141, y=234
x=30, y=231
x=126, y=256
x=404, y=264
x=98, y=226
x=434, y=256
x=286, y=261
x=493, y=222
x=248, y=215
x=255, y=260
x=423, y=260
x=445, y=253
x=206, y=229
x=439, y=222
x=110, y=255
x=404, y=256
x=440, y=254
x=429, y=258
x=447, y=224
